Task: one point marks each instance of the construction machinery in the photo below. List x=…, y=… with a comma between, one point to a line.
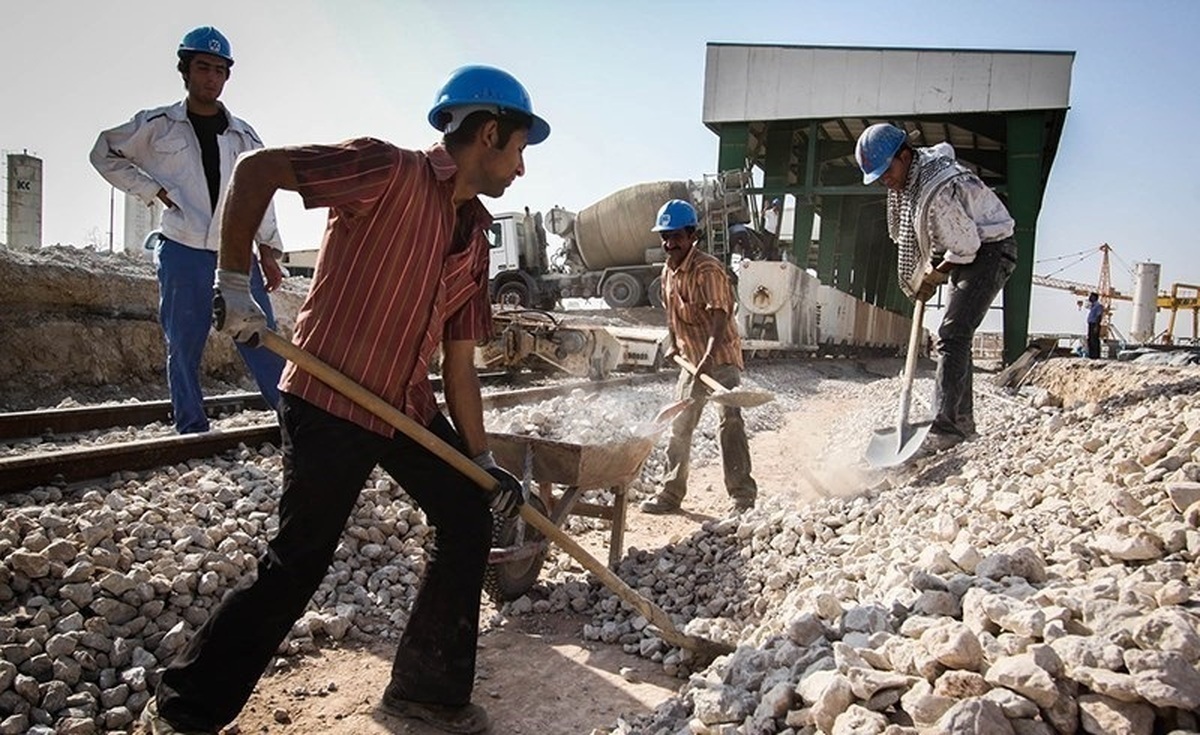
x=608, y=248
x=539, y=340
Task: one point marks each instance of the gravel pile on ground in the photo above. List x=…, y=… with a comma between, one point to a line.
x=1041, y=579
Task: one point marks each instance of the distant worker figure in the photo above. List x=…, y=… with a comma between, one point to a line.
x=403, y=271
x=1095, y=316
x=948, y=226
x=698, y=297
x=182, y=155
x=772, y=219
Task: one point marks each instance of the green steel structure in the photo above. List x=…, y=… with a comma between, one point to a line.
x=813, y=161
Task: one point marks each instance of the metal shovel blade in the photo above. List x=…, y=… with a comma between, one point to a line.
x=741, y=397
x=736, y=397
x=896, y=445
x=651, y=429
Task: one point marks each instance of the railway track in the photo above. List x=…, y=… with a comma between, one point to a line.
x=74, y=465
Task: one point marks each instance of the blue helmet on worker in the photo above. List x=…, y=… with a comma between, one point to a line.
x=477, y=87
x=675, y=215
x=206, y=40
x=876, y=148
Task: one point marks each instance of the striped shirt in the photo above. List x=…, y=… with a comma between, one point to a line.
x=691, y=293
x=393, y=277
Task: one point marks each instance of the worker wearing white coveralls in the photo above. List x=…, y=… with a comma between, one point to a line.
x=182, y=155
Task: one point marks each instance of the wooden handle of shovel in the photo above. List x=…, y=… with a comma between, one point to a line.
x=394, y=416
x=705, y=378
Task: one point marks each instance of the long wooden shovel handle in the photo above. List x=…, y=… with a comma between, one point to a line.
x=705, y=378
x=910, y=365
x=394, y=416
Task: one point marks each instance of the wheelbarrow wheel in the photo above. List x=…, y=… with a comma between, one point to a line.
x=509, y=580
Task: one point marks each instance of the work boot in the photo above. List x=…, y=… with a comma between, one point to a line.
x=741, y=504
x=661, y=504
x=939, y=441
x=156, y=724
x=467, y=718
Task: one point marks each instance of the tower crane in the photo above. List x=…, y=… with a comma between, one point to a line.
x=1103, y=288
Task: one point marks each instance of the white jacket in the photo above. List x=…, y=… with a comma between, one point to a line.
x=158, y=149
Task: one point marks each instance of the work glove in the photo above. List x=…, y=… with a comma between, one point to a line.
x=509, y=496
x=235, y=312
x=929, y=284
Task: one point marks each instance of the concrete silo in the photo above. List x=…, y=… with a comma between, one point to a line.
x=140, y=221
x=24, y=201
x=1145, y=301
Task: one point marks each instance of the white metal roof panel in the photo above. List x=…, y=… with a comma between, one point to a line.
x=752, y=82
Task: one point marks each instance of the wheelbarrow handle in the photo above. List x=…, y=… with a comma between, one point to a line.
x=329, y=375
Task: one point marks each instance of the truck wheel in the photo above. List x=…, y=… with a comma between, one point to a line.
x=505, y=582
x=622, y=291
x=654, y=293
x=514, y=293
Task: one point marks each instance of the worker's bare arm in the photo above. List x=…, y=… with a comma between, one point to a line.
x=256, y=177
x=463, y=401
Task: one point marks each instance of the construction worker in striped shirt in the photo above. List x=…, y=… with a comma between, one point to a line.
x=698, y=297
x=403, y=270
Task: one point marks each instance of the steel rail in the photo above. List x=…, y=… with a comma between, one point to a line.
x=75, y=465
x=23, y=424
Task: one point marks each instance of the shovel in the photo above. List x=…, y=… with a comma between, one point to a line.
x=896, y=445
x=737, y=397
x=702, y=647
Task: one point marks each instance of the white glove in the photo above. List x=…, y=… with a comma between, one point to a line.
x=235, y=312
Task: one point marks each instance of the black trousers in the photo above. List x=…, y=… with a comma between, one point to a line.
x=1093, y=340
x=326, y=461
x=973, y=288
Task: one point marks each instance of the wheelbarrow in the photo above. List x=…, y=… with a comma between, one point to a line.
x=518, y=549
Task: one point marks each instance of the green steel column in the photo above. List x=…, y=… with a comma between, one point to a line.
x=802, y=226
x=1026, y=132
x=731, y=151
x=862, y=250
x=831, y=225
x=777, y=159
x=876, y=255
x=845, y=247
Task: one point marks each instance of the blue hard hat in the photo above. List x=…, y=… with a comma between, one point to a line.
x=206, y=40
x=675, y=215
x=477, y=87
x=876, y=147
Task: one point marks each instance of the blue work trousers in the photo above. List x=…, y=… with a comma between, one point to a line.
x=973, y=288
x=185, y=294
x=326, y=461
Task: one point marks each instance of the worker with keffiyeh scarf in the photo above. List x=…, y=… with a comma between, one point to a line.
x=949, y=227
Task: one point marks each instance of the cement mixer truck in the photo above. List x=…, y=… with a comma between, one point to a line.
x=608, y=248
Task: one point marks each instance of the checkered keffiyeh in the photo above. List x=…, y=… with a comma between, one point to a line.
x=906, y=214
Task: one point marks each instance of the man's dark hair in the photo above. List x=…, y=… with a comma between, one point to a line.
x=185, y=65
x=509, y=121
x=1093, y=296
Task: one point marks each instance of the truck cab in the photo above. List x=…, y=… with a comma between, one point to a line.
x=518, y=262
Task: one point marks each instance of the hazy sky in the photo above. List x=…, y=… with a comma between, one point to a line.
x=620, y=82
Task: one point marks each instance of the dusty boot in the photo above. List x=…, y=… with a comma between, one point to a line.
x=743, y=503
x=467, y=718
x=662, y=504
x=155, y=724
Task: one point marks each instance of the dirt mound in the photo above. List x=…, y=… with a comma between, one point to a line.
x=80, y=324
x=1075, y=381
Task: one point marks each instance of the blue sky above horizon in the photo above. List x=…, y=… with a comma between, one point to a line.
x=621, y=84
